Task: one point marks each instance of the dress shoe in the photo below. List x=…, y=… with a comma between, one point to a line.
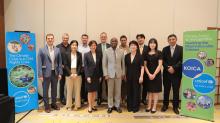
x=153, y=111
x=90, y=111
x=176, y=111
x=134, y=111
x=63, y=102
x=69, y=109
x=99, y=101
x=118, y=109
x=47, y=109
x=94, y=109
x=147, y=110
x=109, y=110
x=55, y=107
x=75, y=108
x=114, y=108
x=164, y=108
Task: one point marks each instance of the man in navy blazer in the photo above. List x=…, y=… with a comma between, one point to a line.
x=49, y=71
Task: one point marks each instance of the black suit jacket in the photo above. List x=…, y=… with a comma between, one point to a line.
x=99, y=47
x=99, y=50
x=91, y=68
x=144, y=52
x=175, y=61
x=67, y=63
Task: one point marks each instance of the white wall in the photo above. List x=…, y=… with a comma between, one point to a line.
x=66, y=16
x=25, y=15
x=154, y=18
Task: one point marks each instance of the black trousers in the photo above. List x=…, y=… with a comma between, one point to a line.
x=53, y=79
x=123, y=89
x=84, y=91
x=100, y=89
x=144, y=90
x=168, y=82
x=133, y=95
x=62, y=87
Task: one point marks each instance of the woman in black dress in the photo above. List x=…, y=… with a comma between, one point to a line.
x=134, y=74
x=93, y=70
x=153, y=64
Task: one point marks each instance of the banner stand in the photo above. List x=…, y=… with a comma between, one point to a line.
x=22, y=70
x=199, y=71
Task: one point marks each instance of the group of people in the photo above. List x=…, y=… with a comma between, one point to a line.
x=131, y=72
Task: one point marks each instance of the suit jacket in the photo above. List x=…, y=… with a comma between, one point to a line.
x=92, y=68
x=111, y=67
x=67, y=63
x=99, y=48
x=63, y=51
x=126, y=50
x=144, y=53
x=145, y=49
x=45, y=64
x=175, y=61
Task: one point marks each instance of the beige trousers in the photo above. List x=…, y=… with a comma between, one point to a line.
x=73, y=86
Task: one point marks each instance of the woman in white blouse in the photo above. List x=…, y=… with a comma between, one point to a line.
x=73, y=66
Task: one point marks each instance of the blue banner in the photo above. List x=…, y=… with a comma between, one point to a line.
x=22, y=70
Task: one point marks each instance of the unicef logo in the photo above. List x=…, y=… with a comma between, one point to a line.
x=21, y=98
x=192, y=68
x=205, y=83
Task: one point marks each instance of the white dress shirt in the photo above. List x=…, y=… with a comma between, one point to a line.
x=172, y=49
x=83, y=49
x=52, y=56
x=73, y=60
x=94, y=57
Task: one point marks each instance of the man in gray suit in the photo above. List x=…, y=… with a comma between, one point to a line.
x=49, y=71
x=114, y=71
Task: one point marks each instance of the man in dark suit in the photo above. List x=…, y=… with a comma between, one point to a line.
x=103, y=84
x=172, y=73
x=64, y=48
x=49, y=71
x=143, y=50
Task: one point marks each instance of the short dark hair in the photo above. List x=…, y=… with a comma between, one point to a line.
x=85, y=35
x=152, y=40
x=134, y=42
x=123, y=36
x=172, y=35
x=140, y=35
x=92, y=42
x=74, y=41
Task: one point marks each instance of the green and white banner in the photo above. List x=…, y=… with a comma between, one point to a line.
x=199, y=70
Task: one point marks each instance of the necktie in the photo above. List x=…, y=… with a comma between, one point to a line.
x=103, y=47
x=141, y=49
x=115, y=55
x=172, y=51
x=115, y=63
